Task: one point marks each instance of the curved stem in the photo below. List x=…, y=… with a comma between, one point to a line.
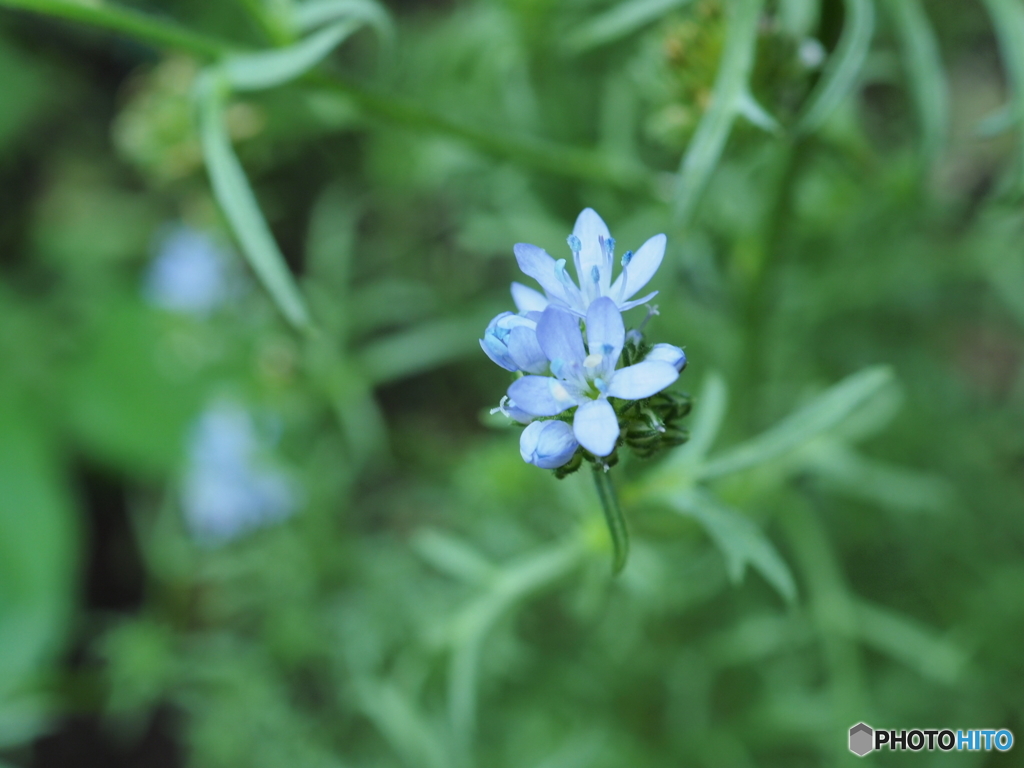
x=613, y=516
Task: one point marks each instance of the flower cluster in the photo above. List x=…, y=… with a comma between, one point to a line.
x=584, y=384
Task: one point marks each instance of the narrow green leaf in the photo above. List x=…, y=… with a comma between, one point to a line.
x=401, y=723
x=910, y=642
x=843, y=67
x=709, y=412
x=452, y=556
x=426, y=346
x=236, y=198
x=614, y=518
x=739, y=539
x=758, y=115
x=514, y=583
x=821, y=414
x=799, y=17
x=1008, y=20
x=923, y=64
x=315, y=13
x=731, y=84
x=267, y=69
x=618, y=22
x=890, y=486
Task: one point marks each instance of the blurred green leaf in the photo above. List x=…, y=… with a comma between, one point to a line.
x=405, y=729
x=731, y=86
x=885, y=484
x=738, y=538
x=268, y=69
x=843, y=67
x=238, y=202
x=313, y=13
x=1008, y=20
x=38, y=559
x=453, y=556
x=130, y=395
x=910, y=642
x=25, y=90
x=423, y=347
x=820, y=415
x=799, y=17
x=623, y=19
x=925, y=74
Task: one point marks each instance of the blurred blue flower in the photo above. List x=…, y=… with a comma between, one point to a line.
x=189, y=273
x=593, y=252
x=227, y=490
x=511, y=341
x=547, y=444
x=588, y=380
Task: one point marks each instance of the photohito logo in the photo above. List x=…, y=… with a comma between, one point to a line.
x=864, y=739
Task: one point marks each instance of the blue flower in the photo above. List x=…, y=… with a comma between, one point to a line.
x=228, y=490
x=547, y=444
x=593, y=252
x=588, y=380
x=189, y=274
x=511, y=341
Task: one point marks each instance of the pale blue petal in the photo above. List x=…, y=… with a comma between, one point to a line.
x=498, y=353
x=605, y=334
x=540, y=395
x=590, y=229
x=527, y=299
x=547, y=444
x=668, y=353
x=642, y=380
x=536, y=263
x=641, y=269
x=596, y=427
x=559, y=335
x=637, y=302
x=525, y=351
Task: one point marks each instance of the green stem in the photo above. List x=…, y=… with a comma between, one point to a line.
x=613, y=516
x=140, y=26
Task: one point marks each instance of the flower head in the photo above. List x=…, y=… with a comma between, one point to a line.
x=593, y=253
x=586, y=381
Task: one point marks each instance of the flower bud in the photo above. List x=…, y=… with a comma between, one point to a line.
x=668, y=353
x=547, y=444
x=511, y=341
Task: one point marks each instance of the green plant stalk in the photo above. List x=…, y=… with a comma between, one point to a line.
x=614, y=517
x=139, y=26
x=540, y=154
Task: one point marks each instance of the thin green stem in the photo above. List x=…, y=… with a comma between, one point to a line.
x=614, y=517
x=160, y=33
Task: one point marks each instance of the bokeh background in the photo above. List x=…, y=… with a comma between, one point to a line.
x=229, y=538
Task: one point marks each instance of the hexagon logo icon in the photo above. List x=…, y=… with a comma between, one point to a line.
x=861, y=739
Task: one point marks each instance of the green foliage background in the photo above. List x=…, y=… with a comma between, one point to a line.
x=841, y=183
